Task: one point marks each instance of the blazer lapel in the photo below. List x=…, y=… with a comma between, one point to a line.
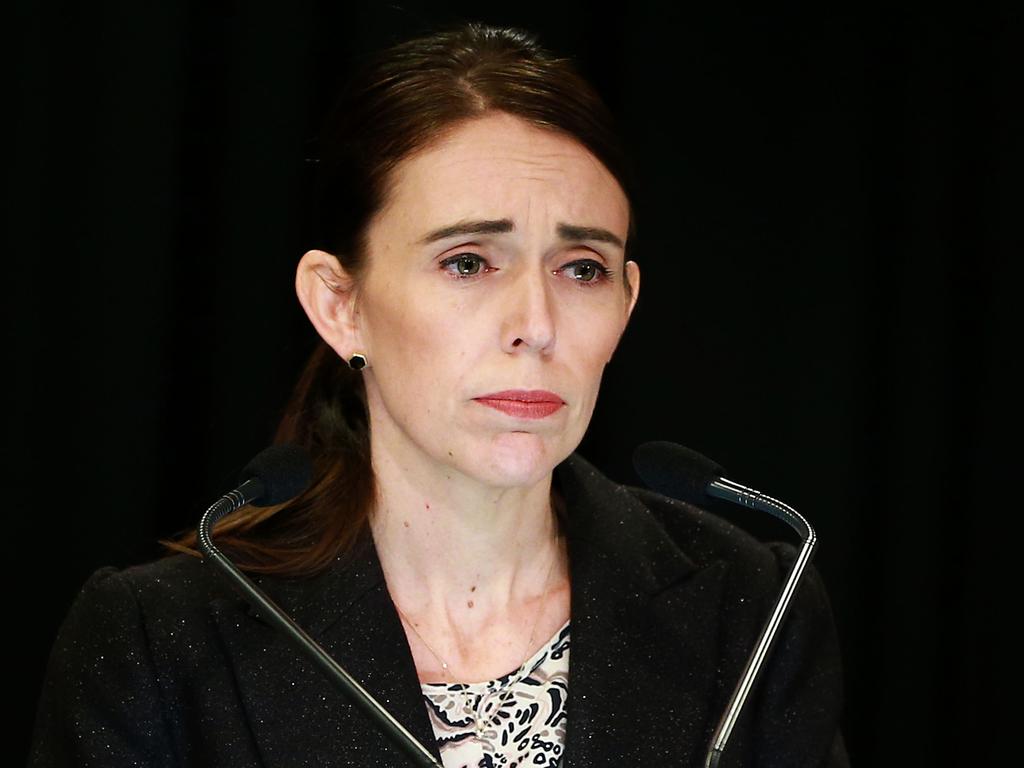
x=643, y=658
x=296, y=714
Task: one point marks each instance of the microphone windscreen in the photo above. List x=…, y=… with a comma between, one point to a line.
x=285, y=471
x=675, y=471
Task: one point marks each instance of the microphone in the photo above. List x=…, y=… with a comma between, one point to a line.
x=683, y=474
x=675, y=471
x=279, y=473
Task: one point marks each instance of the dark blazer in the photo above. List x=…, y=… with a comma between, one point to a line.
x=163, y=665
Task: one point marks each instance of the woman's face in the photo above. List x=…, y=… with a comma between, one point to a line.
x=492, y=299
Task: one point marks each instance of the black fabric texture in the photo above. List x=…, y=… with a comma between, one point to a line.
x=162, y=664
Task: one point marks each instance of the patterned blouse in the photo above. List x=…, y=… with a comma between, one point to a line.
x=517, y=720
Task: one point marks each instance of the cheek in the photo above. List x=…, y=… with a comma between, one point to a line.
x=390, y=322
x=420, y=344
x=594, y=336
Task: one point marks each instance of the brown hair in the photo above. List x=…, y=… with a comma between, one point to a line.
x=399, y=102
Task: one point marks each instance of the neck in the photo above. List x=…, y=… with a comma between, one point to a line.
x=497, y=545
x=478, y=573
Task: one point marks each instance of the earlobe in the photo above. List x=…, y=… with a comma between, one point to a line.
x=327, y=294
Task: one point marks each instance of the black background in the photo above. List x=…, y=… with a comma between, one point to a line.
x=825, y=228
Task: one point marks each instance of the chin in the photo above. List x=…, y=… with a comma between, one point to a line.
x=521, y=459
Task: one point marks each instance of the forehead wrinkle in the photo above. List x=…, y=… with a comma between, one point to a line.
x=571, y=166
x=527, y=155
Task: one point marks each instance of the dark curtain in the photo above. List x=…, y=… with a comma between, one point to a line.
x=825, y=226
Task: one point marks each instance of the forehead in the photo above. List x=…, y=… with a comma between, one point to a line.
x=500, y=166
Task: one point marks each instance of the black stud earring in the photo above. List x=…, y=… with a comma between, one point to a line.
x=357, y=362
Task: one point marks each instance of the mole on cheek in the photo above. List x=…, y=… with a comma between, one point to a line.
x=469, y=604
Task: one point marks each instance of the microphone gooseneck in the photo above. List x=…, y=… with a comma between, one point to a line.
x=685, y=474
x=279, y=473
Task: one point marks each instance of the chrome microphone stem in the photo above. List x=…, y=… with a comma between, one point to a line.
x=748, y=497
x=357, y=695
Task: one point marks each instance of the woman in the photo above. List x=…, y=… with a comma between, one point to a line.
x=471, y=284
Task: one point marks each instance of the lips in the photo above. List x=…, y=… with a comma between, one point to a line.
x=523, y=403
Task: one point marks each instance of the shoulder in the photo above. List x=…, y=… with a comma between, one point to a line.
x=143, y=609
x=714, y=582
x=641, y=524
x=164, y=585
x=706, y=537
x=657, y=543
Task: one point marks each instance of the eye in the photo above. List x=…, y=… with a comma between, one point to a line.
x=587, y=271
x=464, y=265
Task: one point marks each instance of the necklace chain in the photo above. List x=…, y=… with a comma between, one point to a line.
x=513, y=678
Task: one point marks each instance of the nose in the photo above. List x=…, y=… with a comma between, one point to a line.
x=530, y=320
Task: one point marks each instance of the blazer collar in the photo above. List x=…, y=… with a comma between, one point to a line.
x=295, y=714
x=622, y=564
x=611, y=530
x=634, y=594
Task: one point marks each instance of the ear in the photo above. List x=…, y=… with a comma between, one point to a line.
x=632, y=273
x=633, y=279
x=328, y=294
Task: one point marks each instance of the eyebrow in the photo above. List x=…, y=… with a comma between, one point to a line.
x=501, y=226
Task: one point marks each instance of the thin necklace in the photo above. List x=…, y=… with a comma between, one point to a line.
x=479, y=720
